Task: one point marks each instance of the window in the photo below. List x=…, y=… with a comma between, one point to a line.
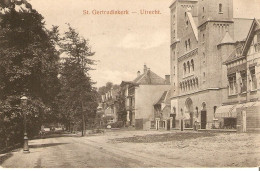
x=189, y=44
x=173, y=55
x=203, y=9
x=214, y=109
x=187, y=22
x=220, y=8
x=243, y=83
x=253, y=81
x=203, y=37
x=232, y=84
x=173, y=70
x=204, y=76
x=184, y=68
x=256, y=43
x=192, y=65
x=188, y=64
x=186, y=45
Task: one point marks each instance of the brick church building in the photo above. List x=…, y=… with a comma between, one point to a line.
x=204, y=34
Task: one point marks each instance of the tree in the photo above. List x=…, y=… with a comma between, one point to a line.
x=28, y=66
x=77, y=96
x=102, y=90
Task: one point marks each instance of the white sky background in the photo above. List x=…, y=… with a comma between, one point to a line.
x=124, y=43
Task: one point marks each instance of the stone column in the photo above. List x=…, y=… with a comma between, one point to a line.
x=171, y=119
x=157, y=120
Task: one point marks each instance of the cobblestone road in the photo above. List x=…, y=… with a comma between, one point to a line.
x=102, y=151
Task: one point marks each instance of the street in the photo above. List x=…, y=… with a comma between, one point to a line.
x=128, y=149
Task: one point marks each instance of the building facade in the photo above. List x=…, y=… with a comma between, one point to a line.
x=241, y=107
x=140, y=96
x=110, y=106
x=198, y=76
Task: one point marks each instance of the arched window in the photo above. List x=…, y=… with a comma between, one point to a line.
x=174, y=110
x=215, y=108
x=184, y=68
x=192, y=65
x=203, y=9
x=220, y=8
x=188, y=65
x=189, y=45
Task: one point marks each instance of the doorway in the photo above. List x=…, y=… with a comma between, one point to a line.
x=203, y=119
x=168, y=124
x=182, y=125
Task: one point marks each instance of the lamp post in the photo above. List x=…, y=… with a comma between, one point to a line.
x=25, y=138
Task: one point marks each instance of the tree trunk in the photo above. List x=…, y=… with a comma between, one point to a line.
x=83, y=121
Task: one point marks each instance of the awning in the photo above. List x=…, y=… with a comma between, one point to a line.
x=233, y=111
x=256, y=103
x=230, y=111
x=249, y=104
x=224, y=111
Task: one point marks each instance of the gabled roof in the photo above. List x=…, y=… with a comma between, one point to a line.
x=254, y=26
x=165, y=98
x=150, y=78
x=227, y=39
x=241, y=28
x=162, y=98
x=147, y=78
x=236, y=54
x=241, y=51
x=193, y=25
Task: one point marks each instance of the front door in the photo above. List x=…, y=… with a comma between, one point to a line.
x=203, y=119
x=182, y=125
x=173, y=120
x=191, y=119
x=168, y=124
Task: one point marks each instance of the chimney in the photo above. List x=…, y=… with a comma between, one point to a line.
x=138, y=73
x=145, y=68
x=167, y=79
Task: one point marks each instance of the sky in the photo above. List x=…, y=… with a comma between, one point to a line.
x=124, y=43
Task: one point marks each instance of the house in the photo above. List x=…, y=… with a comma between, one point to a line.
x=241, y=105
x=203, y=32
x=140, y=96
x=163, y=119
x=110, y=106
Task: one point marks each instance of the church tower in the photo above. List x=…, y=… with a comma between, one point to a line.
x=215, y=20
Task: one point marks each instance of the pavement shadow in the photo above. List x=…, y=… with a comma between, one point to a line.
x=5, y=157
x=55, y=135
x=46, y=145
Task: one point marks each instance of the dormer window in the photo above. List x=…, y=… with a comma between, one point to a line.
x=220, y=8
